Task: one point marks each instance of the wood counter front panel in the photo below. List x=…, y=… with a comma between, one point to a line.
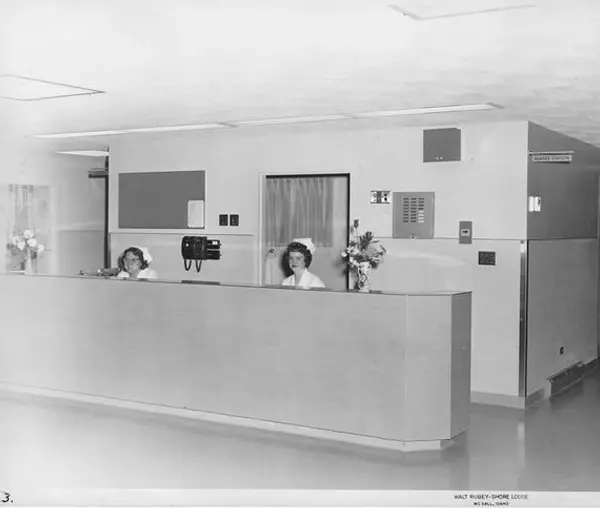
x=321, y=359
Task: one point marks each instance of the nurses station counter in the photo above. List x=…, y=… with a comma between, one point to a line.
x=380, y=369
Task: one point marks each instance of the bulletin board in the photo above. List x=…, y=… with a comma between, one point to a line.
x=161, y=200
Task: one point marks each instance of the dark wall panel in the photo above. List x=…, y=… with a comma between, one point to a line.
x=158, y=200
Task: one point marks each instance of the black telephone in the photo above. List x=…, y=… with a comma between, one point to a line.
x=199, y=248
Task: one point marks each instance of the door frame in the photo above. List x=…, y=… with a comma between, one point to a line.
x=261, y=208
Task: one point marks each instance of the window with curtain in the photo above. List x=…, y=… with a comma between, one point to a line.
x=28, y=207
x=299, y=207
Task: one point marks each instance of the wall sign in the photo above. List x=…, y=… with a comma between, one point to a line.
x=552, y=157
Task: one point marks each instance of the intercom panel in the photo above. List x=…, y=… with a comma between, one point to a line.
x=413, y=214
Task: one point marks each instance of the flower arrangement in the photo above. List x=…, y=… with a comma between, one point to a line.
x=363, y=248
x=363, y=253
x=26, y=245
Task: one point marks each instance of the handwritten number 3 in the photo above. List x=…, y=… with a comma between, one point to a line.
x=6, y=497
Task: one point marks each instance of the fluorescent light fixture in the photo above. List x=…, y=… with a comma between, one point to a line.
x=87, y=153
x=290, y=120
x=203, y=126
x=21, y=88
x=425, y=111
x=176, y=128
x=416, y=17
x=276, y=121
x=77, y=134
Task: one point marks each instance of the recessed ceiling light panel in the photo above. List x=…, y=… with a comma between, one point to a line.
x=20, y=88
x=276, y=121
x=175, y=128
x=413, y=14
x=425, y=111
x=87, y=153
x=62, y=135
x=290, y=120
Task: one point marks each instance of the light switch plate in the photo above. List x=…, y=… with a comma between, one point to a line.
x=380, y=197
x=535, y=204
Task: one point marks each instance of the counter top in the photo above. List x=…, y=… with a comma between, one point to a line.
x=444, y=292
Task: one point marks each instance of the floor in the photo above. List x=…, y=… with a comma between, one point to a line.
x=60, y=444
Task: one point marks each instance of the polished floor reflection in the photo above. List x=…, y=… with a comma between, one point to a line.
x=50, y=443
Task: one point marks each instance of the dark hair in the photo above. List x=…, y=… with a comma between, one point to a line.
x=302, y=249
x=136, y=252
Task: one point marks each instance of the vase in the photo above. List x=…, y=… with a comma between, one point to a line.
x=363, y=279
x=27, y=266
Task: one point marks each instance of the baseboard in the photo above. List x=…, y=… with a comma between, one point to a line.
x=503, y=400
x=285, y=428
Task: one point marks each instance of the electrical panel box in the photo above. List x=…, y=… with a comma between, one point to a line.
x=441, y=145
x=413, y=214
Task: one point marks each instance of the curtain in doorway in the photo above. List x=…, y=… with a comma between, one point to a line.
x=299, y=207
x=20, y=213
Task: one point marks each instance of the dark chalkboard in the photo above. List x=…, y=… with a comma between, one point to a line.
x=158, y=200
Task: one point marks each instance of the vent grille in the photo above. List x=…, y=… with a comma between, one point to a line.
x=413, y=210
x=566, y=378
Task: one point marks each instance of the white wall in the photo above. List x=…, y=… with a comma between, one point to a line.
x=487, y=187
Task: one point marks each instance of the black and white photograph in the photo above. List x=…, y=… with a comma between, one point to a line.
x=300, y=253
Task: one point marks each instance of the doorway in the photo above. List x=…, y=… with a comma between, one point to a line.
x=306, y=206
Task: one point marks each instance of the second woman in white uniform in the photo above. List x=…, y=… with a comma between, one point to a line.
x=299, y=256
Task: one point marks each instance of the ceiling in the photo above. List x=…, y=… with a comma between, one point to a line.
x=176, y=62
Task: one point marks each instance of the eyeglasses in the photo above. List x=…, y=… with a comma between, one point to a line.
x=131, y=260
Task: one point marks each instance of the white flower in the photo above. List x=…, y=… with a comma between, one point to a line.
x=32, y=242
x=20, y=244
x=40, y=247
x=27, y=234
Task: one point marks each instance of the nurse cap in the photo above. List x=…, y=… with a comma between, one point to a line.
x=306, y=242
x=147, y=256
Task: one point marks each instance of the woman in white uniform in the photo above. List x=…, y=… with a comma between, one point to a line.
x=299, y=256
x=134, y=263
